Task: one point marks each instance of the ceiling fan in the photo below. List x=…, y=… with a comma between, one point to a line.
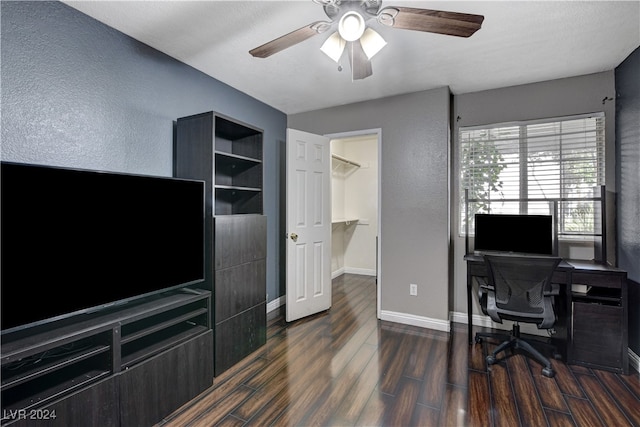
x=362, y=42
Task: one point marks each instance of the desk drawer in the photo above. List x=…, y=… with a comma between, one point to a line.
x=597, y=335
x=601, y=280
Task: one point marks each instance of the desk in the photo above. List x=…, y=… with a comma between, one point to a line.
x=604, y=305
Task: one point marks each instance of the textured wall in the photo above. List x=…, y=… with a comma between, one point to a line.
x=414, y=177
x=628, y=188
x=77, y=93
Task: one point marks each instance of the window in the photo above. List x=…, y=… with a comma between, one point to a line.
x=527, y=167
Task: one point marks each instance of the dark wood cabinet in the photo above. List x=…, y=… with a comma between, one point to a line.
x=240, y=335
x=600, y=319
x=227, y=155
x=190, y=372
x=240, y=277
x=601, y=345
x=125, y=366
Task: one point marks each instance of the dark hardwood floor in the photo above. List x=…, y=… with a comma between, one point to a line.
x=346, y=368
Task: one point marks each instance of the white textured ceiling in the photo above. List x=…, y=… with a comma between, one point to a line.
x=519, y=42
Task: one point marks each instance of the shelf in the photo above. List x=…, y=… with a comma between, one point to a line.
x=231, y=130
x=34, y=371
x=231, y=200
x=345, y=160
x=599, y=295
x=346, y=221
x=238, y=170
x=237, y=158
x=47, y=394
x=161, y=326
x=232, y=188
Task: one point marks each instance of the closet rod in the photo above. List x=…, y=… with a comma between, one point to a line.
x=342, y=159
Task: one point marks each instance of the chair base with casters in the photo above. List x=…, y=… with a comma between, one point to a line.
x=514, y=342
x=519, y=289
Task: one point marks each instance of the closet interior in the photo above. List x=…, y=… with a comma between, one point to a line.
x=354, y=205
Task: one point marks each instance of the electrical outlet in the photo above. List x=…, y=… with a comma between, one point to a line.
x=413, y=289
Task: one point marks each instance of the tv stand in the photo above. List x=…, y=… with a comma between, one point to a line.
x=132, y=365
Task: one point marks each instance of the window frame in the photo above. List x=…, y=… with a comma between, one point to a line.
x=524, y=168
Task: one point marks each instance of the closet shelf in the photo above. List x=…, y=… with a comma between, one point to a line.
x=345, y=160
x=346, y=221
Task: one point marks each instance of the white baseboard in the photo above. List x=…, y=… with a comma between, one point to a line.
x=276, y=303
x=411, y=319
x=338, y=272
x=484, y=321
x=362, y=271
x=352, y=270
x=478, y=320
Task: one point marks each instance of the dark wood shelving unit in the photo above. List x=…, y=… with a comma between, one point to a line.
x=227, y=155
x=238, y=168
x=54, y=370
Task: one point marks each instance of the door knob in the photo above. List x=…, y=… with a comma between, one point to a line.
x=294, y=237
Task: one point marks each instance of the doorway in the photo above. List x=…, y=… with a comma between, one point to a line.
x=355, y=204
x=370, y=222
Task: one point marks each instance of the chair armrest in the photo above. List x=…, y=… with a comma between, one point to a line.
x=554, y=291
x=485, y=288
x=483, y=293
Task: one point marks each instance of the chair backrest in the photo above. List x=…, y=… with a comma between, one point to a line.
x=519, y=281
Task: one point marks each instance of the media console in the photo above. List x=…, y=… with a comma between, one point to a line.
x=128, y=366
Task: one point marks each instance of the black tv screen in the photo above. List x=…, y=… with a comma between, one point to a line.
x=526, y=234
x=76, y=241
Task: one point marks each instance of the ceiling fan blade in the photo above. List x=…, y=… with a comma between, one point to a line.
x=288, y=40
x=360, y=64
x=431, y=21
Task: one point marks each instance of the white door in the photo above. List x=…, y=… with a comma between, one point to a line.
x=308, y=224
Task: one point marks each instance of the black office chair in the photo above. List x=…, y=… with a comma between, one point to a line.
x=519, y=289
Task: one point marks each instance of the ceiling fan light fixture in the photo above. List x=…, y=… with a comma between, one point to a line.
x=351, y=26
x=372, y=42
x=334, y=46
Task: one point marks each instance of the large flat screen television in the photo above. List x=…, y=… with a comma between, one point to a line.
x=522, y=234
x=78, y=241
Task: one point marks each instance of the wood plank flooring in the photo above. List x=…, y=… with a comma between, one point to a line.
x=345, y=368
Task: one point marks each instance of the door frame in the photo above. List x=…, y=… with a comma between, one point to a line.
x=378, y=133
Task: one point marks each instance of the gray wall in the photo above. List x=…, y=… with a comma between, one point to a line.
x=556, y=98
x=628, y=155
x=414, y=177
x=77, y=93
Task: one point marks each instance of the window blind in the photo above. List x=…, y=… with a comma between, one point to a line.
x=525, y=167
